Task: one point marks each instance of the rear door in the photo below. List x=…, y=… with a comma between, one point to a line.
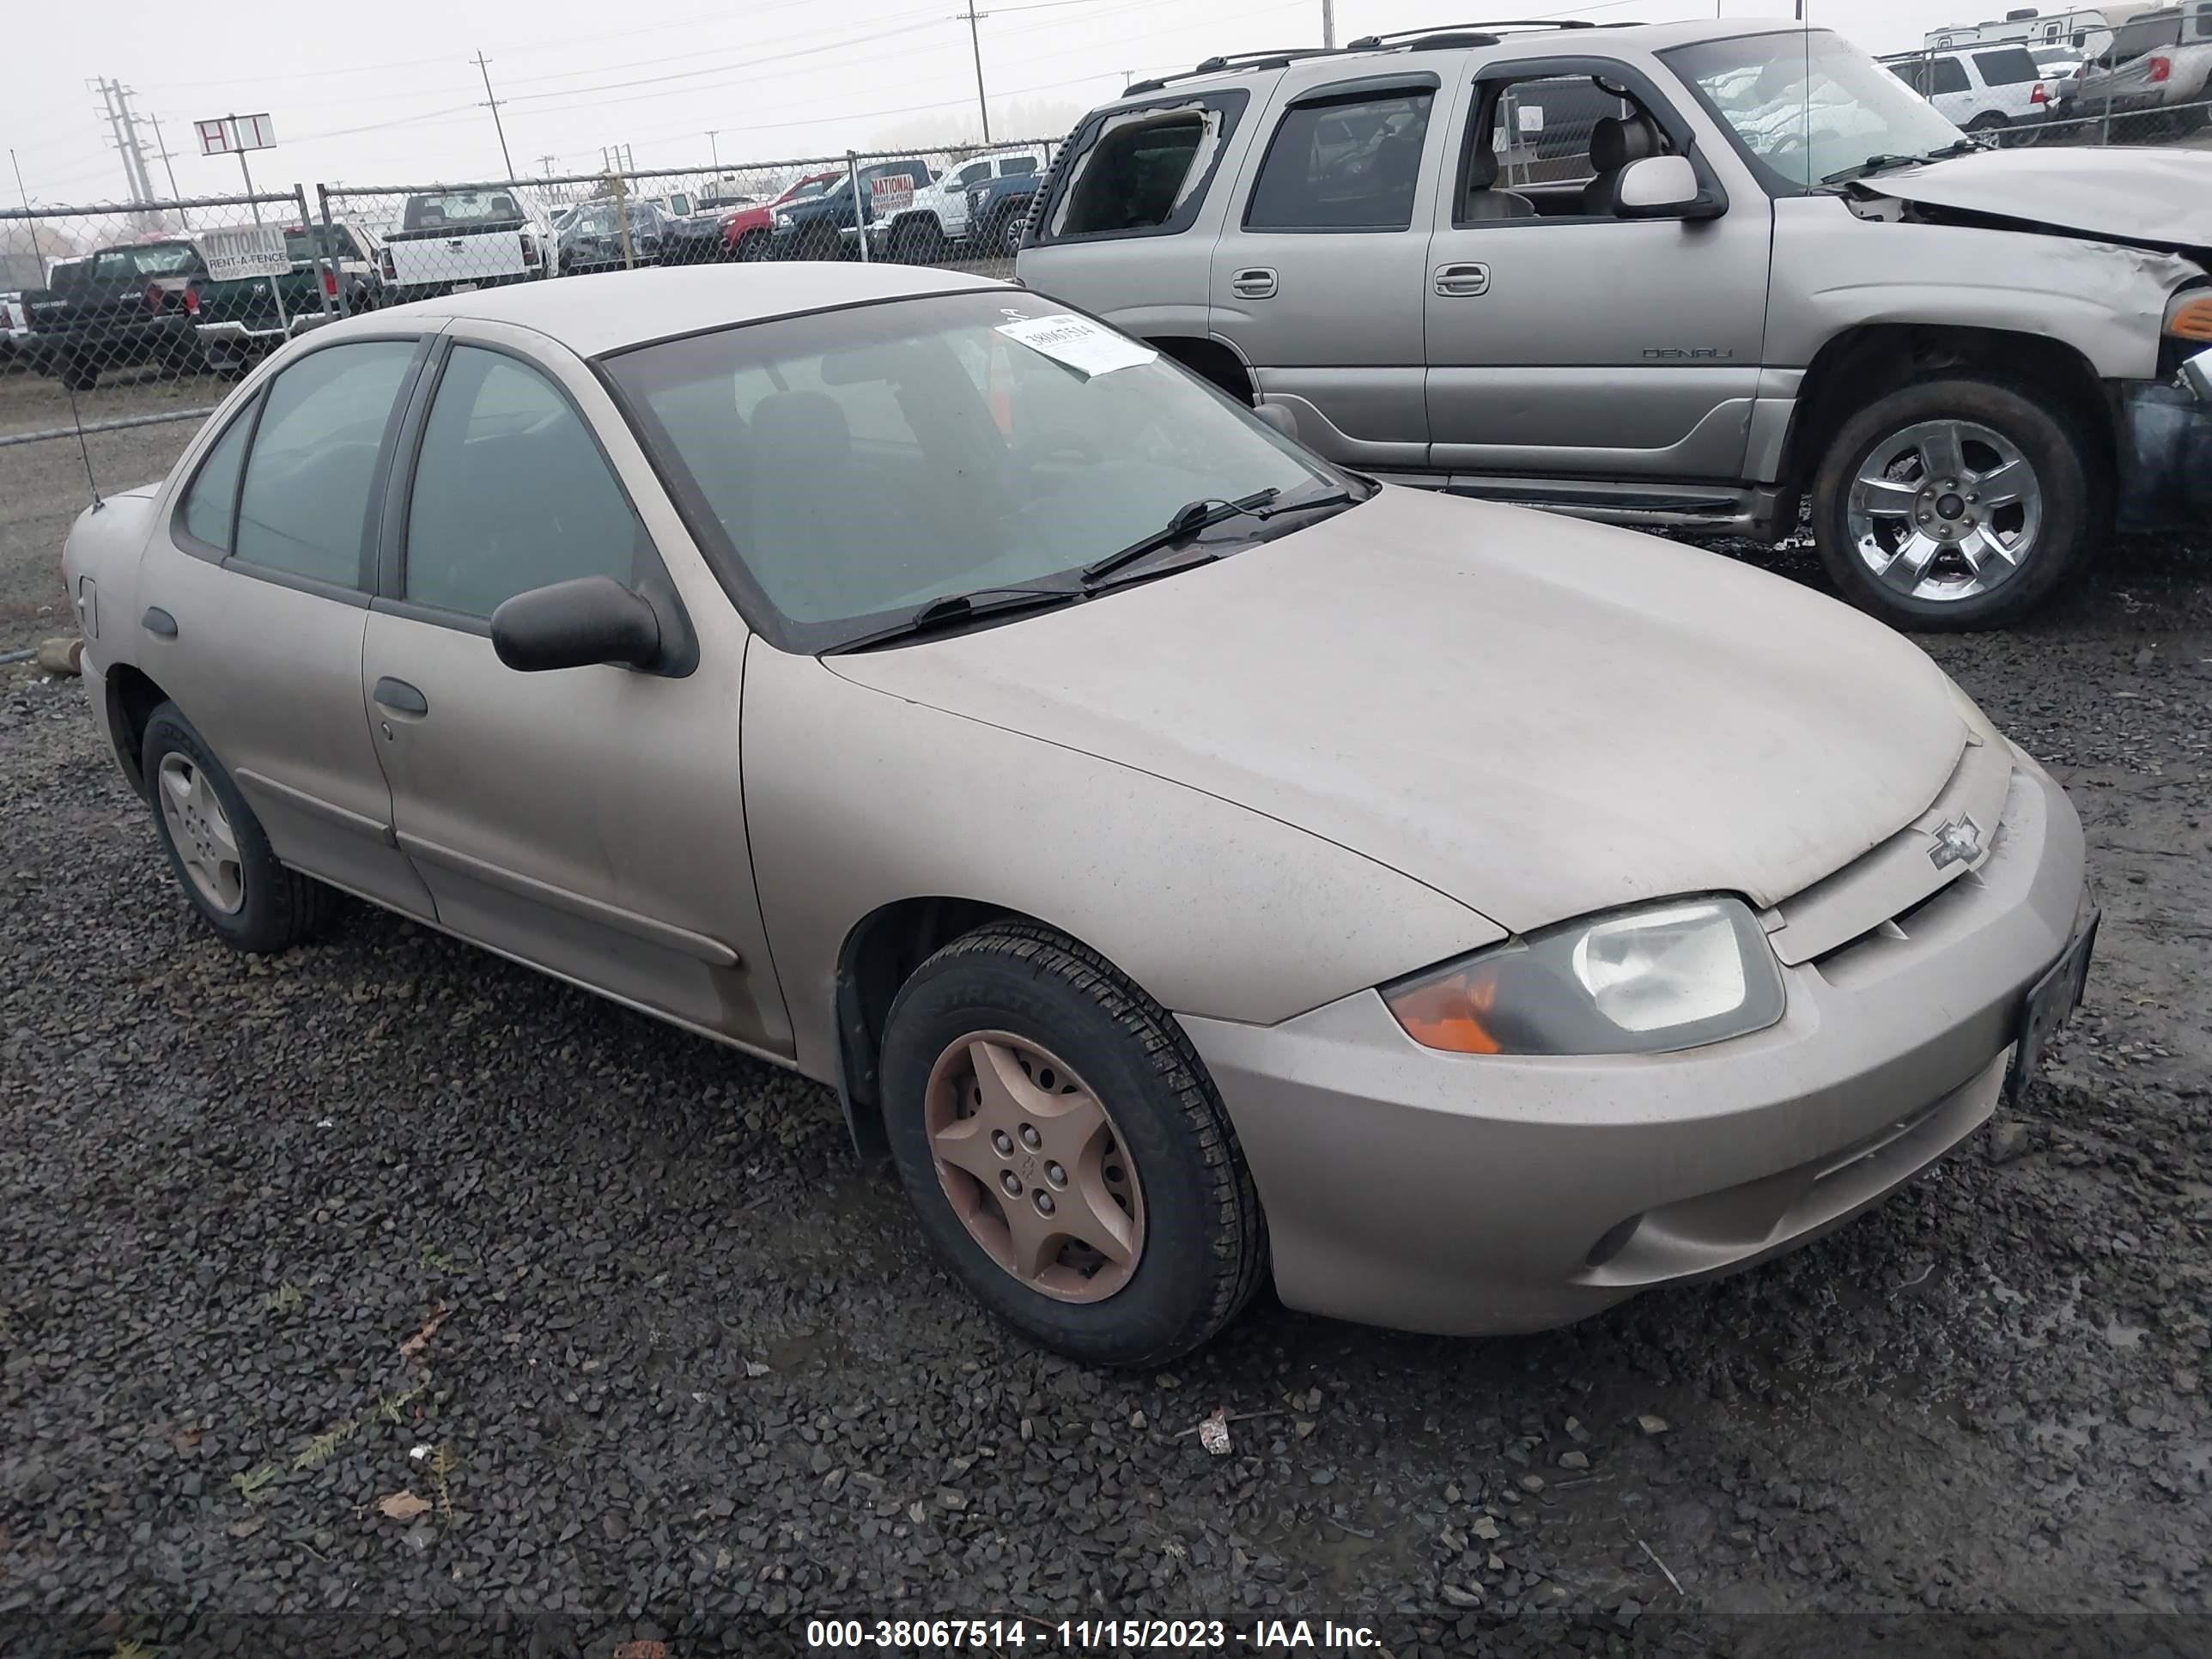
x=1316, y=278
x=257, y=592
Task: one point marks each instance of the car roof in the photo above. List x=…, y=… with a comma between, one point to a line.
x=1312, y=66
x=593, y=315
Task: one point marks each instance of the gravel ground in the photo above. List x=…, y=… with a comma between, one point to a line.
x=692, y=1378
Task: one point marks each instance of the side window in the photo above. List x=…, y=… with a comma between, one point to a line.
x=510, y=491
x=1950, y=76
x=974, y=174
x=210, y=502
x=1553, y=146
x=1542, y=130
x=1028, y=163
x=305, y=505
x=1343, y=164
x=1144, y=170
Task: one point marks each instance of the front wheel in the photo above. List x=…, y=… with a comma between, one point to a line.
x=1954, y=504
x=753, y=246
x=1065, y=1152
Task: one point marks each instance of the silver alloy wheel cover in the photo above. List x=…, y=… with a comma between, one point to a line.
x=200, y=831
x=1950, y=529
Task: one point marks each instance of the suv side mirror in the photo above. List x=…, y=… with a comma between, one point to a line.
x=1662, y=187
x=1278, y=417
x=573, y=624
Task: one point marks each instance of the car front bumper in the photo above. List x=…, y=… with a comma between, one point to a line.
x=2166, y=451
x=1464, y=1193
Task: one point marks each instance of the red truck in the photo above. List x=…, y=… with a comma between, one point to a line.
x=745, y=232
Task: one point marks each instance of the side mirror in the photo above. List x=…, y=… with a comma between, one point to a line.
x=573, y=624
x=1279, y=416
x=1662, y=187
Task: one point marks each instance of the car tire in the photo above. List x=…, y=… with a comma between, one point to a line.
x=1008, y=234
x=1990, y=120
x=753, y=247
x=251, y=899
x=2000, y=559
x=1123, y=1082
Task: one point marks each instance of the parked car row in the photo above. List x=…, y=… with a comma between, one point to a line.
x=154, y=301
x=2150, y=69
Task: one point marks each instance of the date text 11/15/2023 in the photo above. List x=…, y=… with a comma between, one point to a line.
x=1088, y=1636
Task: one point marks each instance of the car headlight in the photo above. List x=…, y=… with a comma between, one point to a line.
x=1647, y=980
x=2189, y=315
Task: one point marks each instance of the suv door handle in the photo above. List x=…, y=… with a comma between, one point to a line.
x=400, y=697
x=1255, y=283
x=1465, y=281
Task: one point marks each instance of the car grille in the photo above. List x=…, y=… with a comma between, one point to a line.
x=1876, y=896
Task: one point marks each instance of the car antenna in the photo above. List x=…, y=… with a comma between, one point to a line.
x=31, y=219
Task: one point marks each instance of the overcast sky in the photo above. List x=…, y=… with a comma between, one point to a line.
x=384, y=93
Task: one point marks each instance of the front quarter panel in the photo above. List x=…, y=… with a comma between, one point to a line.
x=1835, y=270
x=855, y=799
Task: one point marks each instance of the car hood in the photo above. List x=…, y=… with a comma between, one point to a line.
x=2156, y=196
x=1536, y=716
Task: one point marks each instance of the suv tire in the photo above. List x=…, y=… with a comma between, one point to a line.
x=1099, y=1075
x=217, y=849
x=1876, y=504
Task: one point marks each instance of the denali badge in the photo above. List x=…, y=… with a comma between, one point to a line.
x=1958, y=842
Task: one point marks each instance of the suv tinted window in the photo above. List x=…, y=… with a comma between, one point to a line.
x=1028, y=163
x=2008, y=68
x=304, y=507
x=211, y=502
x=510, y=493
x=974, y=174
x=1950, y=76
x=1343, y=165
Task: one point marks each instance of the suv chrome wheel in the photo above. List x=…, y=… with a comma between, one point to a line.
x=1034, y=1167
x=1945, y=510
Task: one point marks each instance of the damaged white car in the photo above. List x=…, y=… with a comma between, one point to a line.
x=1688, y=275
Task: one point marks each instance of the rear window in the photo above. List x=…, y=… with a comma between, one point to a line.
x=1027, y=163
x=166, y=258
x=463, y=207
x=1349, y=164
x=329, y=241
x=2008, y=68
x=1145, y=170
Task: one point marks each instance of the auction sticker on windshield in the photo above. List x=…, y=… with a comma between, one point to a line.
x=1078, y=344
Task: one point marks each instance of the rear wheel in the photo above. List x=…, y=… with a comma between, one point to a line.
x=1065, y=1152
x=1009, y=233
x=1956, y=504
x=753, y=246
x=217, y=848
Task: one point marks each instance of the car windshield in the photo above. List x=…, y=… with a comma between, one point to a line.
x=855, y=464
x=329, y=242
x=1803, y=106
x=462, y=207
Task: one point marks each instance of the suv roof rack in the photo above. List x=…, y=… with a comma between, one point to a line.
x=1273, y=57
x=1415, y=37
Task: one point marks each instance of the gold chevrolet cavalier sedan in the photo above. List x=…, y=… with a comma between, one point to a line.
x=1193, y=863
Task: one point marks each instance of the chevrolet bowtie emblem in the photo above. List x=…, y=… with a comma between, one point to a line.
x=1957, y=842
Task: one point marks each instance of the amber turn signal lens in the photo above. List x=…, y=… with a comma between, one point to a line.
x=1450, y=1012
x=2192, y=320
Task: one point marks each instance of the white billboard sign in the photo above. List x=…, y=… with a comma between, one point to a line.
x=228, y=135
x=233, y=250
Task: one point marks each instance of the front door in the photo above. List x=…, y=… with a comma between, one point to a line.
x=257, y=597
x=1564, y=340
x=587, y=821
x=1316, y=278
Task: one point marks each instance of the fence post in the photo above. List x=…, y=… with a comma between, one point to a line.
x=323, y=199
x=860, y=219
x=622, y=219
x=326, y=265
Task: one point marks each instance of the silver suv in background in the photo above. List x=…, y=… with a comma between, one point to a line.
x=1980, y=89
x=1687, y=275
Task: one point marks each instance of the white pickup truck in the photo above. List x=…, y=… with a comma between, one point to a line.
x=450, y=241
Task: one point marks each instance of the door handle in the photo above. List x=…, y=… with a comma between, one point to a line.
x=1465, y=281
x=400, y=697
x=1256, y=282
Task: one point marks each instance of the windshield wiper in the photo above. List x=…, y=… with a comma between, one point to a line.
x=1883, y=162
x=955, y=610
x=1185, y=522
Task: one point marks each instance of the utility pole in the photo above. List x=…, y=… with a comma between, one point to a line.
x=162, y=150
x=975, y=39
x=134, y=190
x=1328, y=24
x=714, y=150
x=491, y=103
x=545, y=164
x=138, y=151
